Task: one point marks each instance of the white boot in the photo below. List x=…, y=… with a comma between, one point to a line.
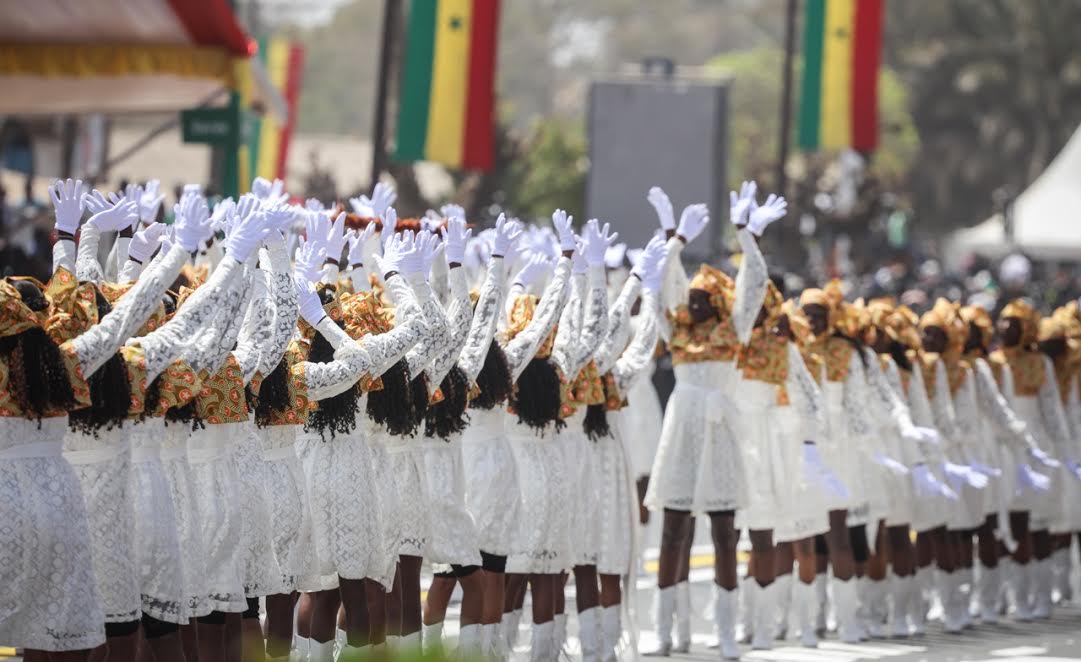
x=542, y=646
x=918, y=601
x=340, y=638
x=765, y=616
x=682, y=641
x=559, y=634
x=845, y=604
x=805, y=598
x=469, y=642
x=394, y=643
x=878, y=611
x=491, y=640
x=946, y=583
x=589, y=634
x=409, y=642
x=510, y=623
x=432, y=637
x=822, y=617
x=990, y=583
x=901, y=589
x=1021, y=585
x=745, y=617
x=1041, y=588
x=664, y=606
x=1063, y=562
x=1006, y=569
x=724, y=617
x=863, y=617
x=783, y=603
x=611, y=632
x=321, y=651
x=964, y=595
x=300, y=649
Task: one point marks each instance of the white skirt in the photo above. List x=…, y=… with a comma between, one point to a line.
x=103, y=465
x=581, y=512
x=218, y=512
x=802, y=501
x=259, y=565
x=409, y=524
x=617, y=506
x=157, y=537
x=452, y=533
x=542, y=481
x=491, y=481
x=643, y=414
x=314, y=579
x=698, y=467
x=845, y=456
x=44, y=526
x=290, y=516
x=178, y=475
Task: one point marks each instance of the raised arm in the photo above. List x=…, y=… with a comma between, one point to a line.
x=635, y=359
x=520, y=350
x=459, y=308
x=619, y=325
x=994, y=406
x=752, y=279
x=257, y=329
x=804, y=393
x=276, y=261
x=485, y=319
x=569, y=328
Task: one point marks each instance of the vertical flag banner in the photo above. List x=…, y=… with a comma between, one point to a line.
x=842, y=45
x=268, y=142
x=447, y=102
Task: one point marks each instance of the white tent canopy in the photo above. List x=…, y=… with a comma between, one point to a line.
x=1046, y=217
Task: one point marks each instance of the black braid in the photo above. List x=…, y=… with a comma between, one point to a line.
x=494, y=380
x=336, y=414
x=537, y=397
x=392, y=405
x=110, y=389
x=447, y=417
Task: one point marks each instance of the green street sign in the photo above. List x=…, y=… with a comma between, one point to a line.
x=212, y=126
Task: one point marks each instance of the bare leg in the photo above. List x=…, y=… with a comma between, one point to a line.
x=585, y=582
x=784, y=558
x=435, y=607
x=324, y=615
x=409, y=570
x=876, y=564
x=611, y=591
x=394, y=605
x=725, y=538
x=673, y=530
x=808, y=563
x=494, y=583
x=355, y=604
x=211, y=642
x=279, y=624
x=472, y=597
x=514, y=596
x=901, y=552
x=65, y=656
x=234, y=637
x=189, y=637
x=1020, y=530
x=840, y=546
x=765, y=564
x=542, y=588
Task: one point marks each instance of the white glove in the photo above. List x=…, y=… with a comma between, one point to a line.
x=1043, y=458
x=113, y=215
x=68, y=204
x=986, y=469
x=192, y=224
x=191, y=189
x=390, y=221
x=564, y=228
x=336, y=237
x=927, y=485
x=224, y=214
x=506, y=235
x=317, y=230
x=816, y=472
x=146, y=241
x=535, y=267
x=401, y=254
x=455, y=236
x=267, y=191
x=248, y=234
x=1031, y=480
x=309, y=260
x=452, y=211
x=1074, y=467
x=959, y=474
x=429, y=248
x=579, y=263
x=150, y=201
x=596, y=240
x=311, y=308
x=357, y=240
x=774, y=208
x=650, y=263
x=893, y=465
x=740, y=204
x=695, y=218
x=663, y=206
x=313, y=204
x=383, y=196
x=279, y=218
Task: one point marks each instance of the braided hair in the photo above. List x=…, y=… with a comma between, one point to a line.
x=448, y=416
x=494, y=380
x=536, y=397
x=110, y=389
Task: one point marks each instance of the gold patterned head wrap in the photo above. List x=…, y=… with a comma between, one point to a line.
x=797, y=322
x=15, y=315
x=1052, y=328
x=875, y=320
x=831, y=297
x=978, y=318
x=362, y=314
x=946, y=316
x=1027, y=315
x=717, y=284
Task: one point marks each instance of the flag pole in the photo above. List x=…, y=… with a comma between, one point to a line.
x=386, y=51
x=781, y=179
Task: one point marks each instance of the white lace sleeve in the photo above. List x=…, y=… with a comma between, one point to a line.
x=803, y=393
x=435, y=328
x=64, y=255
x=570, y=328
x=257, y=328
x=942, y=406
x=358, y=276
x=993, y=404
x=855, y=391
x=595, y=324
x=522, y=347
x=459, y=317
x=1051, y=410
x=751, y=281
x=635, y=360
x=283, y=292
x=325, y=380
x=888, y=402
x=485, y=317
x=676, y=283
x=619, y=325
x=95, y=346
x=118, y=256
x=209, y=351
x=87, y=267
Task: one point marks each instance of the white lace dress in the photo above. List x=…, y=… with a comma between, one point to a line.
x=293, y=546
x=541, y=531
x=48, y=593
x=643, y=415
x=491, y=493
x=261, y=572
x=844, y=448
x=178, y=474
x=407, y=476
x=580, y=464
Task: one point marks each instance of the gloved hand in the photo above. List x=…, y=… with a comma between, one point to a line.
x=506, y=235
x=959, y=474
x=383, y=196
x=1074, y=467
x=455, y=236
x=564, y=227
x=68, y=204
x=695, y=218
x=452, y=211
x=401, y=254
x=596, y=240
x=816, y=472
x=390, y=222
x=313, y=204
x=985, y=469
x=579, y=263
x=922, y=435
x=739, y=205
x=663, y=206
x=146, y=241
x=893, y=465
x=535, y=267
x=269, y=193
x=225, y=212
x=1031, y=480
x=192, y=223
x=774, y=208
x=113, y=214
x=309, y=260
x=248, y=234
x=927, y=485
x=357, y=240
x=1043, y=458
x=317, y=230
x=280, y=218
x=150, y=202
x=429, y=248
x=311, y=308
x=336, y=237
x=650, y=264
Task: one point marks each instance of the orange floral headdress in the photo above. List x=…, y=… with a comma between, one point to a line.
x=15, y=315
x=716, y=283
x=1028, y=316
x=831, y=297
x=797, y=321
x=977, y=317
x=945, y=315
x=362, y=314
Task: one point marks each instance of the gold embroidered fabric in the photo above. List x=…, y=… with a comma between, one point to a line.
x=1026, y=367
x=15, y=316
x=135, y=364
x=765, y=357
x=711, y=340
x=521, y=315
x=835, y=353
x=178, y=386
x=221, y=399
x=956, y=371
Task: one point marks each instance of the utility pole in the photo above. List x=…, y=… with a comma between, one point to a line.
x=781, y=180
x=386, y=52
